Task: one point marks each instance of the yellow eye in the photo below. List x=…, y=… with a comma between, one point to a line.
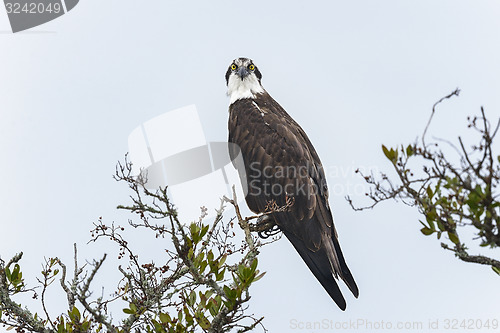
x=251, y=67
x=233, y=67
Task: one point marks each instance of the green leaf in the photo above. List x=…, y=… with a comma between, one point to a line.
x=391, y=154
x=195, y=232
x=220, y=276
x=203, y=265
x=157, y=326
x=409, y=150
x=131, y=310
x=453, y=237
x=427, y=231
x=165, y=318
x=429, y=192
x=258, y=277
x=241, y=270
x=495, y=269
x=386, y=152
x=204, y=231
x=15, y=273
x=213, y=308
x=202, y=321
x=188, y=316
x=192, y=298
x=7, y=273
x=74, y=315
x=429, y=220
x=203, y=300
x=85, y=326
x=440, y=225
x=190, y=253
x=222, y=260
x=253, y=266
x=230, y=293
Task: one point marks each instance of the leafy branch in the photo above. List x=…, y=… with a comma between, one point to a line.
x=202, y=284
x=453, y=193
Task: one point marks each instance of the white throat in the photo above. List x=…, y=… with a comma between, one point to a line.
x=246, y=88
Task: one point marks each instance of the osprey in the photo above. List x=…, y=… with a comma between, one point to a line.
x=284, y=176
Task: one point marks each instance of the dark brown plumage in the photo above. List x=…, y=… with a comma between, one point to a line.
x=281, y=164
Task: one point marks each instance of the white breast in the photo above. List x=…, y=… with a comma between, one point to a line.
x=247, y=88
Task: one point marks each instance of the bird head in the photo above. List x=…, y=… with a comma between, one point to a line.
x=243, y=79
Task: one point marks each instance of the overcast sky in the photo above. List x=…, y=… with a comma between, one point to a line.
x=354, y=74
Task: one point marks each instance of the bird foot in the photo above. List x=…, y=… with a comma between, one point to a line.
x=265, y=226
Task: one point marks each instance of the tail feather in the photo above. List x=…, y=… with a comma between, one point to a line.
x=319, y=265
x=345, y=273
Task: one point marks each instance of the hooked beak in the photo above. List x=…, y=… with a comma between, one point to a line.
x=243, y=72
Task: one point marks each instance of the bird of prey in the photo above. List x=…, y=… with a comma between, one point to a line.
x=283, y=170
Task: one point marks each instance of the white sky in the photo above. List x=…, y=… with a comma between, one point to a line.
x=354, y=74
